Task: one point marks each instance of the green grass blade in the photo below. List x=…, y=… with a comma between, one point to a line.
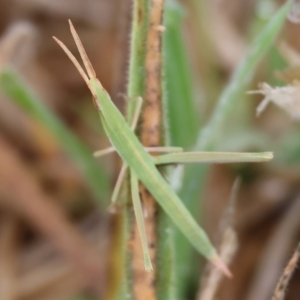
x=179, y=88
x=244, y=73
x=240, y=79
x=138, y=210
x=135, y=89
x=182, y=117
x=163, y=149
x=212, y=157
x=15, y=89
x=136, y=80
x=208, y=137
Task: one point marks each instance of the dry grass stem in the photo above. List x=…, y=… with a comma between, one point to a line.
x=53, y=278
x=271, y=262
x=94, y=12
x=279, y=293
x=291, y=55
x=29, y=200
x=228, y=248
x=227, y=251
x=232, y=48
x=8, y=256
x=13, y=40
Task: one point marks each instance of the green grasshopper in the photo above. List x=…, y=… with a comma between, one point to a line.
x=142, y=166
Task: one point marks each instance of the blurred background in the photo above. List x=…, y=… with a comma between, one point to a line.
x=54, y=238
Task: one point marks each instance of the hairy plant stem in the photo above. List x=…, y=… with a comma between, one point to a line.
x=121, y=286
x=150, y=134
x=136, y=80
x=154, y=285
x=145, y=80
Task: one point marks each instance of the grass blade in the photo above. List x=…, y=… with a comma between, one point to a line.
x=210, y=135
x=13, y=87
x=240, y=79
x=179, y=87
x=281, y=287
x=212, y=157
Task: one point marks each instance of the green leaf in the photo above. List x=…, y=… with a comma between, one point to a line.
x=179, y=81
x=212, y=157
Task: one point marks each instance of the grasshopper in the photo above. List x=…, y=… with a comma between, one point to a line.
x=142, y=166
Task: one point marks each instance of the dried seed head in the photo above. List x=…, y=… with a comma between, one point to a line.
x=287, y=97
